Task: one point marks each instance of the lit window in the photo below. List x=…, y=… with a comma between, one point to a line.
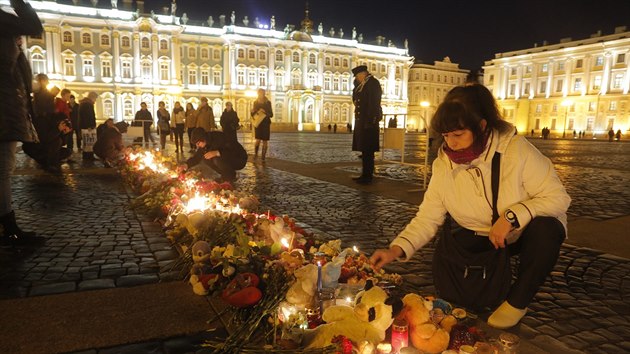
x=192, y=52
x=205, y=53
x=344, y=63
x=146, y=70
x=144, y=43
x=126, y=69
x=128, y=109
x=164, y=70
x=539, y=108
x=240, y=77
x=192, y=77
x=108, y=109
x=106, y=68
x=251, y=78
x=279, y=81
x=312, y=59
x=251, y=54
x=216, y=54
x=559, y=84
x=205, y=77
x=125, y=42
x=373, y=67
x=327, y=61
x=216, y=78
x=262, y=78
x=336, y=62
x=599, y=61
x=544, y=68
x=104, y=40
x=262, y=55
x=597, y=82
x=617, y=80
x=279, y=56
x=88, y=67
x=241, y=53
x=163, y=44
x=612, y=106
x=86, y=38
x=296, y=57
x=543, y=87
x=591, y=106
x=577, y=84
x=39, y=63
x=68, y=67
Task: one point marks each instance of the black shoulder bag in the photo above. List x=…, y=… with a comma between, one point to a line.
x=477, y=281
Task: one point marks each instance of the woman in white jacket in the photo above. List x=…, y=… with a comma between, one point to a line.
x=532, y=202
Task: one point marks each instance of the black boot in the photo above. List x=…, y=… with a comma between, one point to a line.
x=264, y=152
x=12, y=234
x=256, y=150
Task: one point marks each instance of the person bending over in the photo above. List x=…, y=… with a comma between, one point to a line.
x=223, y=155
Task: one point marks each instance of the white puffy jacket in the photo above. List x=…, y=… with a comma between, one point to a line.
x=528, y=186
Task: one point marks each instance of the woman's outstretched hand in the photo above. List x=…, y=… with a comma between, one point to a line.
x=384, y=256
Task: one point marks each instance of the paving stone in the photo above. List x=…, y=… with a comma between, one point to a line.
x=113, y=273
x=55, y=288
x=133, y=280
x=96, y=284
x=166, y=255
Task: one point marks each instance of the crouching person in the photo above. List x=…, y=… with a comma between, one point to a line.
x=223, y=155
x=49, y=151
x=109, y=143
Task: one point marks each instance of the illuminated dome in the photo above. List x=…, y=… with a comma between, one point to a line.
x=304, y=34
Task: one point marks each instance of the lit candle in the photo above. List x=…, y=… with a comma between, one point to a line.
x=355, y=249
x=400, y=335
x=319, y=275
x=384, y=348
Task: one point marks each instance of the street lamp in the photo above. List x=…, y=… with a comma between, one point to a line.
x=424, y=105
x=566, y=103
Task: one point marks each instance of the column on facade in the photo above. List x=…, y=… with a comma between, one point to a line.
x=606, y=74
x=587, y=73
x=271, y=71
x=533, y=83
x=320, y=69
x=405, y=80
x=626, y=81
x=50, y=52
x=58, y=58
x=118, y=108
x=304, y=68
x=176, y=62
x=550, y=70
x=156, y=61
x=136, y=58
x=229, y=66
x=505, y=82
x=116, y=59
x=288, y=57
x=519, y=81
x=496, y=83
x=391, y=78
x=568, y=66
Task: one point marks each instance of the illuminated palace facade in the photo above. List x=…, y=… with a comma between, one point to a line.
x=129, y=57
x=574, y=85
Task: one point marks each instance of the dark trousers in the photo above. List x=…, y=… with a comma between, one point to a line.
x=538, y=249
x=192, y=146
x=367, y=159
x=179, y=136
x=222, y=166
x=147, y=133
x=47, y=154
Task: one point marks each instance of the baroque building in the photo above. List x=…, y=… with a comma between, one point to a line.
x=575, y=85
x=429, y=84
x=129, y=57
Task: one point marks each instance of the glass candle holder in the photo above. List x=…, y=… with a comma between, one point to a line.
x=326, y=298
x=400, y=335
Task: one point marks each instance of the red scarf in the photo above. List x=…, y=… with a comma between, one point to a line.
x=468, y=154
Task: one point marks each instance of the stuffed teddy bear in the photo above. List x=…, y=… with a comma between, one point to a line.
x=368, y=320
x=202, y=275
x=423, y=332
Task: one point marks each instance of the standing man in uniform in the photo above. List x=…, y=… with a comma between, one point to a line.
x=366, y=97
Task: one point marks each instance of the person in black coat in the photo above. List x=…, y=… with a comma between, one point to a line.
x=16, y=110
x=49, y=151
x=366, y=97
x=263, y=131
x=229, y=121
x=223, y=155
x=109, y=142
x=87, y=120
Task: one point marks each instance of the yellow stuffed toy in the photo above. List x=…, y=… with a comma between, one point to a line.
x=423, y=333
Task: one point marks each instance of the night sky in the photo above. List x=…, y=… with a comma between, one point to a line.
x=468, y=31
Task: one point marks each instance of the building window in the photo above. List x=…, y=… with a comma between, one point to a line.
x=559, y=84
x=164, y=69
x=144, y=43
x=561, y=66
x=262, y=78
x=513, y=71
x=279, y=80
x=216, y=54
x=597, y=82
x=128, y=109
x=344, y=63
x=296, y=78
x=262, y=55
x=591, y=106
x=104, y=40
x=68, y=67
x=528, y=69
x=241, y=53
x=554, y=108
x=539, y=108
x=312, y=59
x=240, y=77
x=192, y=52
x=526, y=89
x=108, y=109
x=277, y=112
x=39, y=63
x=296, y=57
x=599, y=61
x=512, y=89
x=205, y=53
x=251, y=76
x=491, y=80
x=345, y=84
x=617, y=80
x=106, y=68
x=279, y=56
x=146, y=71
x=621, y=58
x=163, y=44
x=336, y=61
x=216, y=78
x=579, y=63
x=544, y=68
x=612, y=106
x=125, y=41
x=577, y=84
x=126, y=69
x=205, y=77
x=67, y=37
x=251, y=54
x=327, y=83
x=373, y=67
x=192, y=77
x=335, y=84
x=86, y=38
x=88, y=67
x=327, y=61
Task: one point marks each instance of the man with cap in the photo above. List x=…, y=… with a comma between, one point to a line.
x=366, y=97
x=222, y=154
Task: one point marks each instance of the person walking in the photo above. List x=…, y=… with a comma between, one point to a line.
x=146, y=119
x=178, y=123
x=164, y=123
x=611, y=135
x=230, y=122
x=262, y=132
x=205, y=116
x=366, y=97
x=87, y=124
x=527, y=216
x=618, y=135
x=191, y=123
x=16, y=110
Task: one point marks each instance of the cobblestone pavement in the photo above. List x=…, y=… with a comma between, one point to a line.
x=96, y=242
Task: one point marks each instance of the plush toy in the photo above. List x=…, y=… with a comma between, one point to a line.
x=242, y=291
x=368, y=320
x=423, y=332
x=201, y=273
x=302, y=292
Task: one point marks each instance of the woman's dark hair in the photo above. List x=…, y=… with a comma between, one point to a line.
x=464, y=107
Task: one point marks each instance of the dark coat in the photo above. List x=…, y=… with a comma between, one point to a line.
x=230, y=123
x=231, y=151
x=367, y=115
x=87, y=116
x=109, y=143
x=144, y=115
x=15, y=71
x=263, y=131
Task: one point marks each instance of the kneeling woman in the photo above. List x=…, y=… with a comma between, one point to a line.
x=222, y=154
x=529, y=217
